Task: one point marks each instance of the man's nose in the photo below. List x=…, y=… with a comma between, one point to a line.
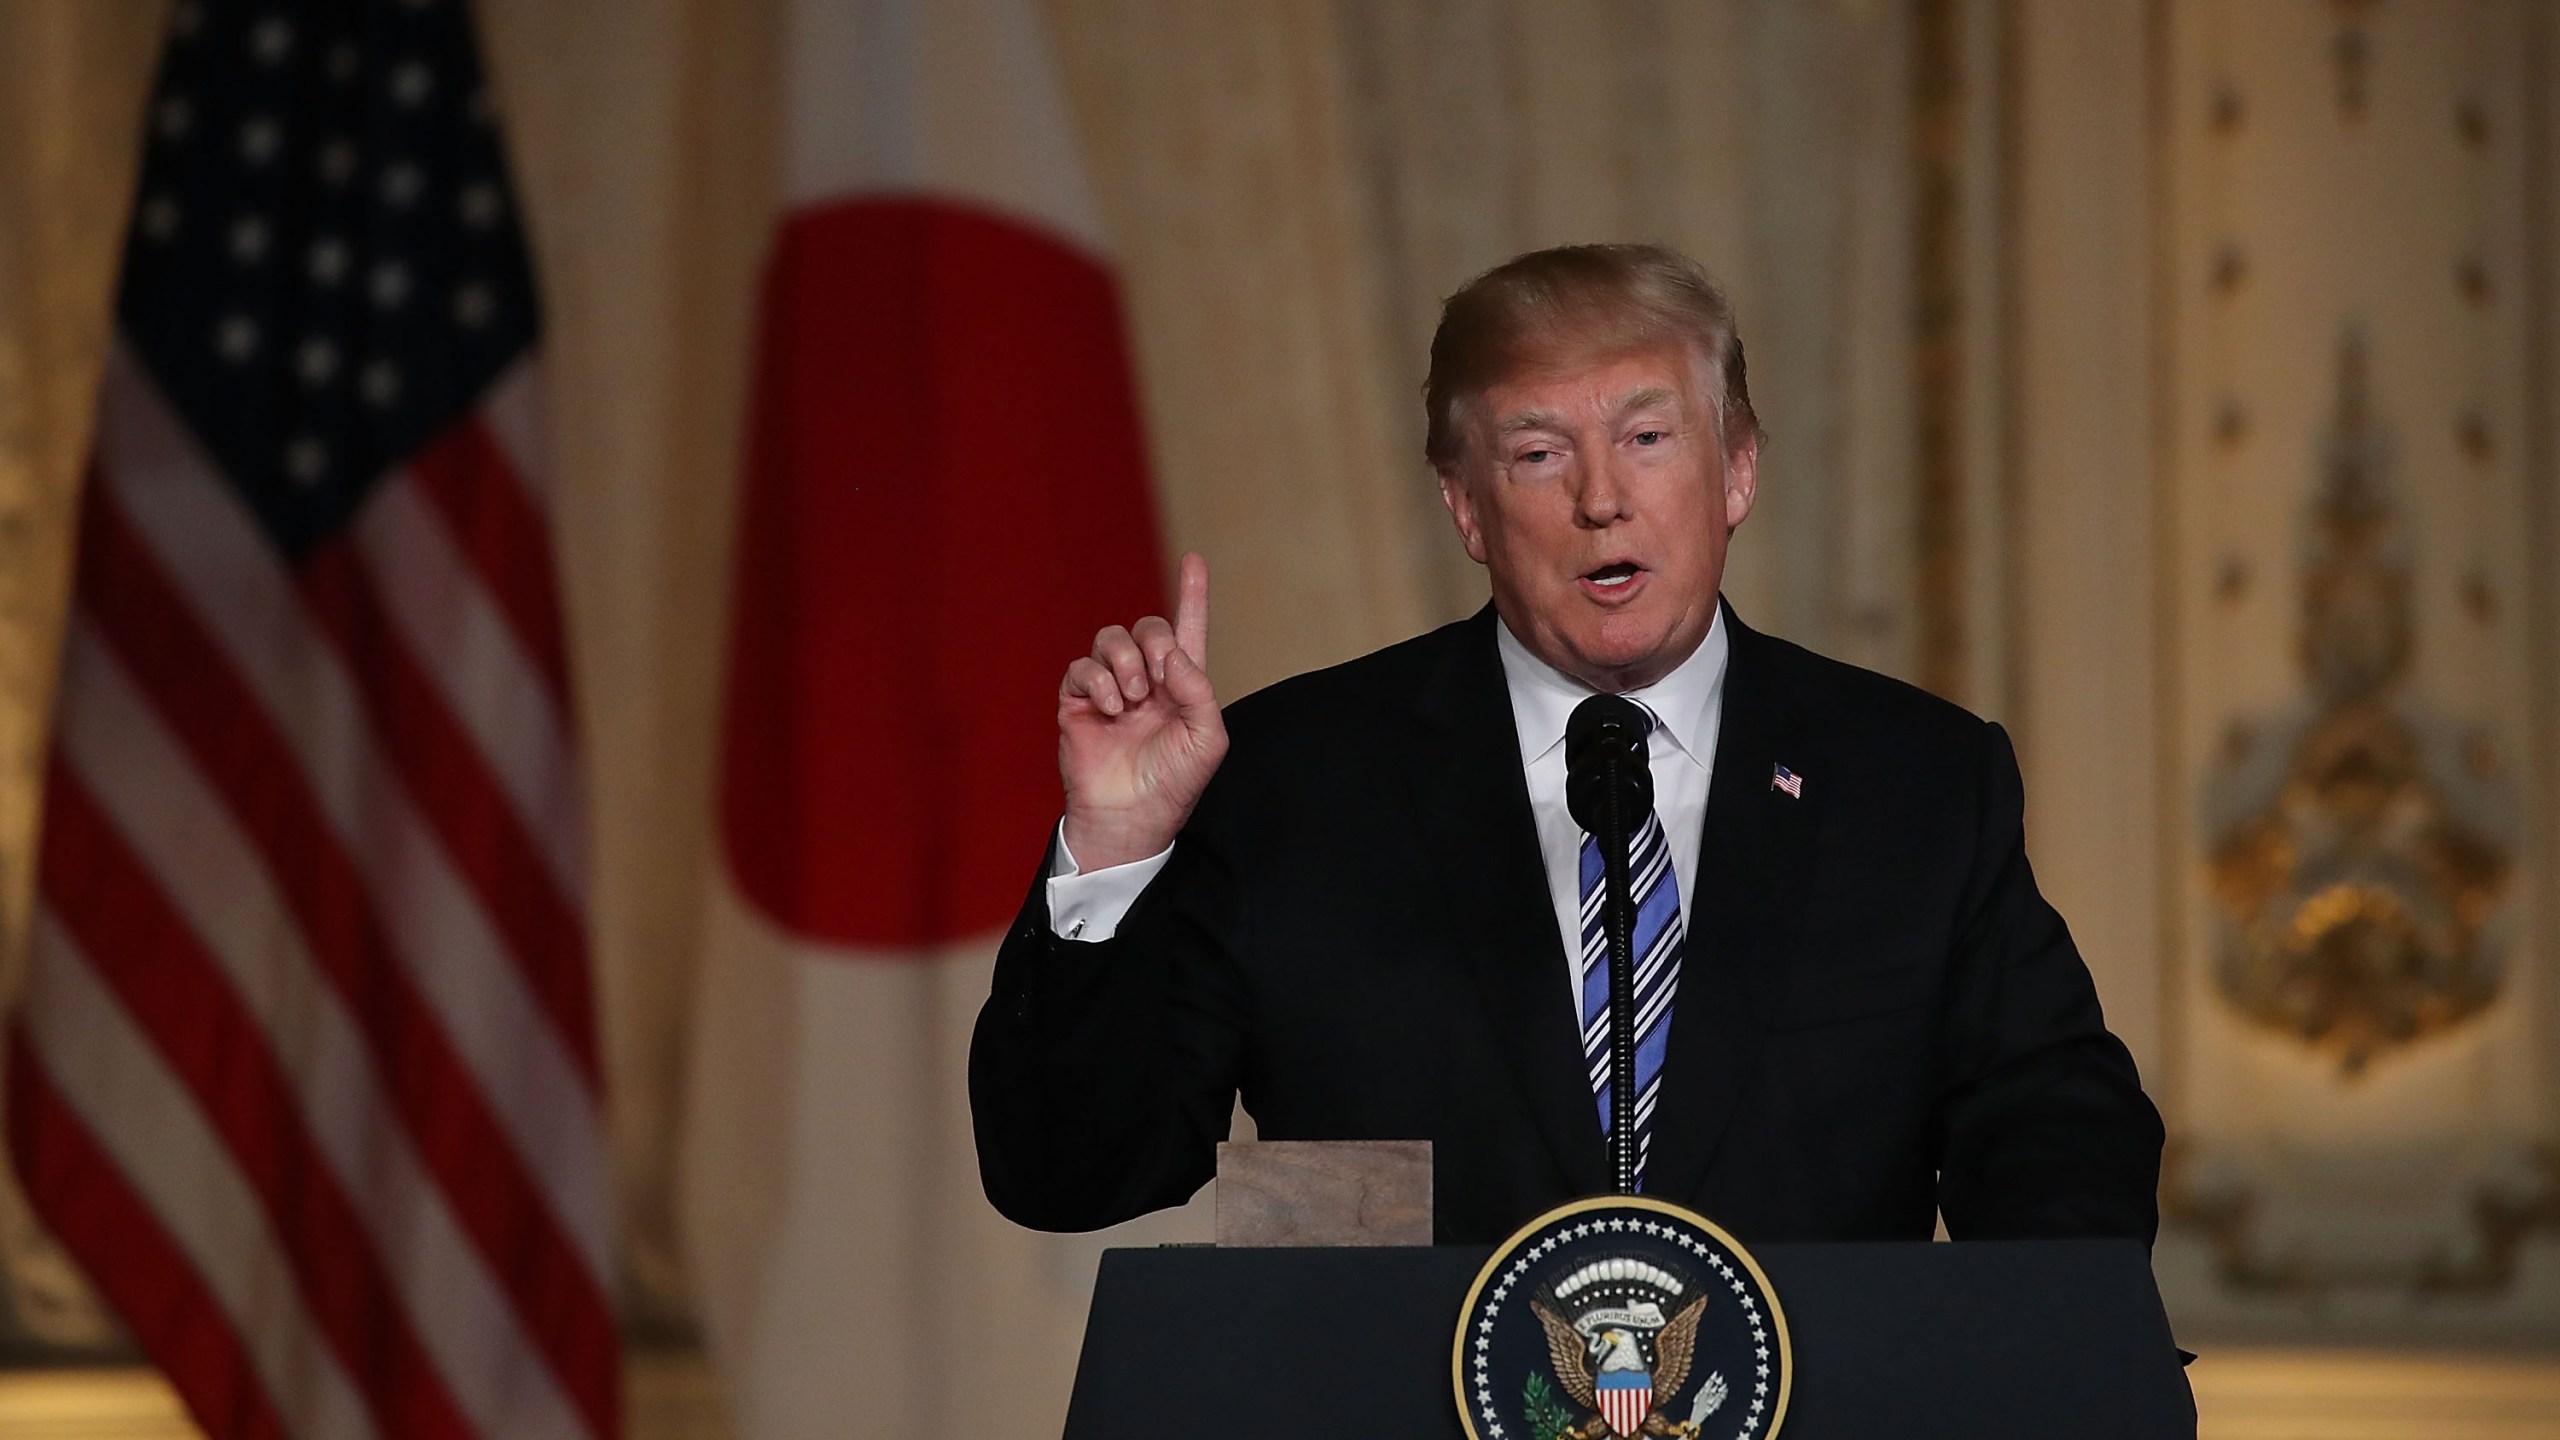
x=1602, y=499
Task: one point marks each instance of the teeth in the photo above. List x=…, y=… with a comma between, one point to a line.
x=1612, y=580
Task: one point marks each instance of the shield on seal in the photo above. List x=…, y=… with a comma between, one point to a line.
x=1626, y=1397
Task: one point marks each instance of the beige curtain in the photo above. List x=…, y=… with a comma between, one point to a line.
x=1770, y=140
x=72, y=79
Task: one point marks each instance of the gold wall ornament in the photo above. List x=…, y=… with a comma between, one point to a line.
x=2519, y=1200
x=2358, y=880
x=2351, y=53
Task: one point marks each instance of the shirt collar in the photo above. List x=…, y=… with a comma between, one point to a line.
x=1543, y=697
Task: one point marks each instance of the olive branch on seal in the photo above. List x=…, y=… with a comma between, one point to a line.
x=1547, y=1416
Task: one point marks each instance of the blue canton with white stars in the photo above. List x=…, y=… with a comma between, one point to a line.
x=325, y=268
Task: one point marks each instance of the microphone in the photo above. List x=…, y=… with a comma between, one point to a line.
x=1608, y=789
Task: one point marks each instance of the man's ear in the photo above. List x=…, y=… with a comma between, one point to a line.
x=1741, y=482
x=1462, y=510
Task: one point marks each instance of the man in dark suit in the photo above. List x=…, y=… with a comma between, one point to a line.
x=1349, y=897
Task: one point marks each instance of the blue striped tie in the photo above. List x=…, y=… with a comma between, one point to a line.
x=1658, y=945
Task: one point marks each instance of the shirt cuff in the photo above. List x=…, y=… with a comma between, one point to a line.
x=1090, y=906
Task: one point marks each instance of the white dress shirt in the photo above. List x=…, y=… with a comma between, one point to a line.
x=1689, y=702
x=1682, y=751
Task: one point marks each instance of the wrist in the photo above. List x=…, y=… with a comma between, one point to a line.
x=1103, y=842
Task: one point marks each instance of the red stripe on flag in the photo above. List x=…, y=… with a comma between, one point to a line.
x=449, y=779
x=237, y=750
x=946, y=496
x=111, y=904
x=507, y=538
x=82, y=1196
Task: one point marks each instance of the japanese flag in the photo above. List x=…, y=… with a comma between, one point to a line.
x=945, y=496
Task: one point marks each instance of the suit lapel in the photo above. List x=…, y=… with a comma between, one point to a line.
x=1484, y=852
x=1754, y=863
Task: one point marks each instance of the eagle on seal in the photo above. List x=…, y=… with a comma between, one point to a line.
x=1618, y=1353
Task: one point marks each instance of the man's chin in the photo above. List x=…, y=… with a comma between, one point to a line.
x=1618, y=661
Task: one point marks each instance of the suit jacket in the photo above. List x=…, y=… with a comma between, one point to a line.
x=1878, y=1017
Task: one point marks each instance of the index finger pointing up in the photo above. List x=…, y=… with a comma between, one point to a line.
x=1191, y=610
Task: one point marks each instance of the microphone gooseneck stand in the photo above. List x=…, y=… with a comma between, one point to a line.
x=1609, y=789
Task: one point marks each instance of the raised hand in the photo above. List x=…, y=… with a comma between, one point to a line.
x=1139, y=733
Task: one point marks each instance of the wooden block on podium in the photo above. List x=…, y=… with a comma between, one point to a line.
x=1325, y=1192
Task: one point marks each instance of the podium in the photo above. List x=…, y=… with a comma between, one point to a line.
x=1987, y=1340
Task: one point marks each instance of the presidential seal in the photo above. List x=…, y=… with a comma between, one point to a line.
x=1620, y=1317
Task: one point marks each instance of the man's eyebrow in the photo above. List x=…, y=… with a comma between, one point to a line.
x=1646, y=399
x=1529, y=420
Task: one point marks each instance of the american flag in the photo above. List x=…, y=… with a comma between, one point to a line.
x=305, y=1070
x=1787, y=780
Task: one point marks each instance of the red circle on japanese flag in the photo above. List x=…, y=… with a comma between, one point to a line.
x=945, y=496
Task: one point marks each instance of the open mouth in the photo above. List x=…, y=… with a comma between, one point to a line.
x=1613, y=577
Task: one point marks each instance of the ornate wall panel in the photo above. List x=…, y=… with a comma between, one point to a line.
x=2359, y=928
x=2085, y=650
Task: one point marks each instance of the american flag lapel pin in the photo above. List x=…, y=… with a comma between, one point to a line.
x=1782, y=778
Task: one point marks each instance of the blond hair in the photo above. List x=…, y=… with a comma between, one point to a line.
x=1573, y=303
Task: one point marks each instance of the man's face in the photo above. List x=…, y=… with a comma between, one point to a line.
x=1598, y=498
